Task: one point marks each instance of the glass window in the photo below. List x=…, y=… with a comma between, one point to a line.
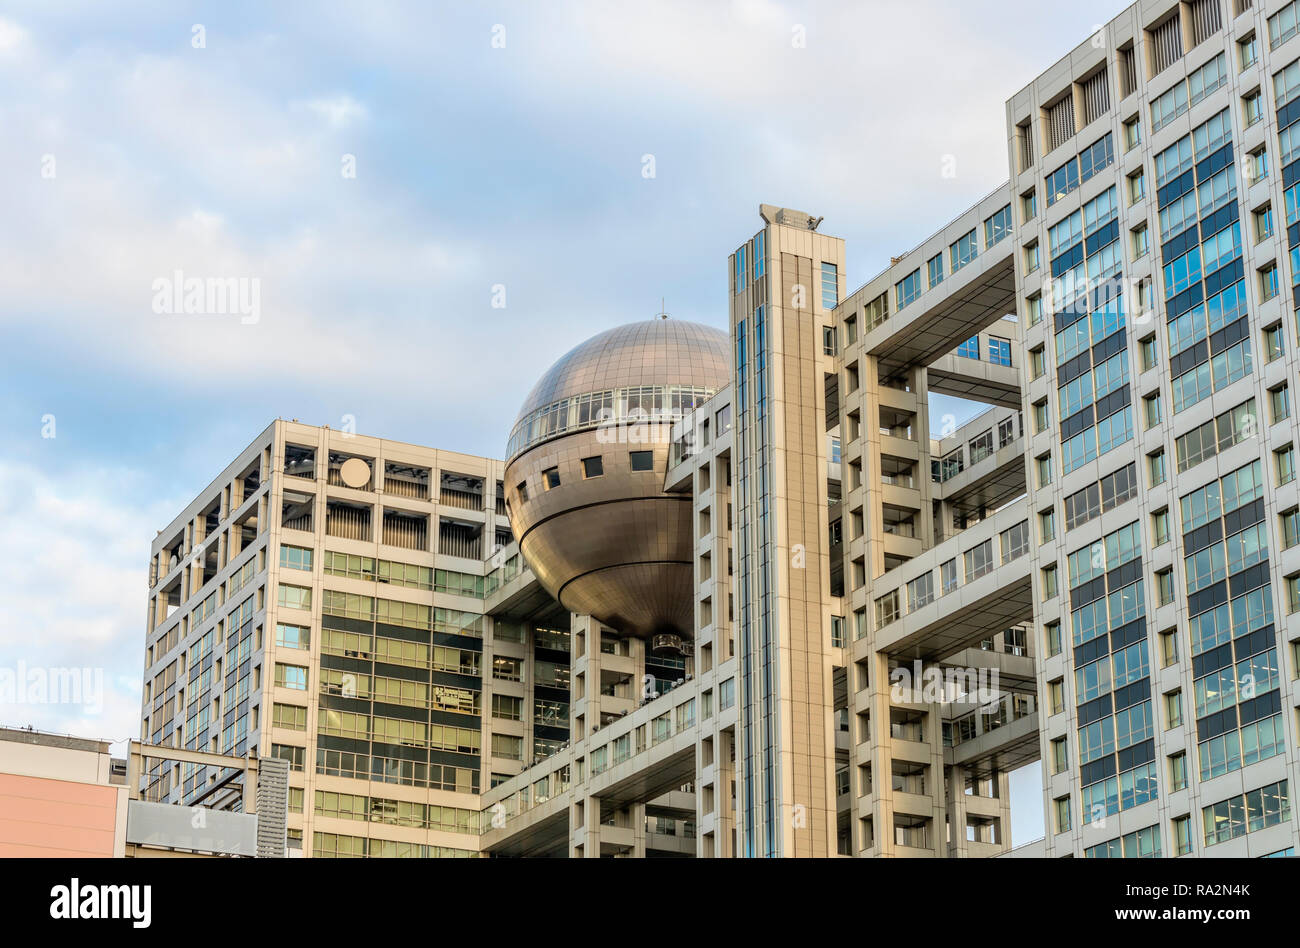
x=907, y=289
x=962, y=251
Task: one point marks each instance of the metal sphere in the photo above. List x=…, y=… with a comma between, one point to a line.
x=585, y=472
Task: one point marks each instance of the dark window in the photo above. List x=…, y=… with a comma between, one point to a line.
x=550, y=478
x=592, y=467
x=523, y=491
x=643, y=460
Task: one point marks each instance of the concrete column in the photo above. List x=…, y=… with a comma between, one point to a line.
x=956, y=785
x=638, y=830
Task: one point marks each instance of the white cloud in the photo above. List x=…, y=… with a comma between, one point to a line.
x=338, y=111
x=12, y=36
x=74, y=553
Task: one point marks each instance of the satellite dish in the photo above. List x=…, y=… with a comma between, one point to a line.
x=355, y=472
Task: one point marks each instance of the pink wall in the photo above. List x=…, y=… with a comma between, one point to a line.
x=43, y=817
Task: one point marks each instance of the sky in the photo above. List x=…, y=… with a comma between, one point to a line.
x=383, y=173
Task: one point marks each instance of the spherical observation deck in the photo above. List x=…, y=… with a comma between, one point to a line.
x=585, y=470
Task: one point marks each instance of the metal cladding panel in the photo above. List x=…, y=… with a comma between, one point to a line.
x=197, y=829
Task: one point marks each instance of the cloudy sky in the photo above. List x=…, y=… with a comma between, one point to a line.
x=493, y=145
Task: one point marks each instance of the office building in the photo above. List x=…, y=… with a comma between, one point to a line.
x=792, y=616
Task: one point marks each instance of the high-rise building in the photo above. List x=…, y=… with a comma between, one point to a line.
x=757, y=602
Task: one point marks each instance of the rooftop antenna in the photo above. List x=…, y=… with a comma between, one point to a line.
x=662, y=314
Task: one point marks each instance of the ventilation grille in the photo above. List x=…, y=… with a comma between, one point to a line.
x=1128, y=75
x=1096, y=97
x=1206, y=20
x=272, y=807
x=1060, y=123
x=1026, y=147
x=1166, y=44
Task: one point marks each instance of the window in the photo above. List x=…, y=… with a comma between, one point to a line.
x=830, y=285
x=1156, y=467
x=1268, y=286
x=1173, y=709
x=1060, y=755
x=1263, y=223
x=550, y=478
x=1292, y=594
x=294, y=597
x=1275, y=348
x=292, y=636
x=999, y=351
x=508, y=707
x=979, y=560
x=1182, y=827
x=907, y=289
x=1061, y=809
x=1248, y=812
x=1046, y=525
x=1032, y=261
x=593, y=467
x=1290, y=528
x=1028, y=206
x=1247, y=52
x=970, y=349
x=1257, y=165
x=934, y=270
x=1137, y=186
x=1282, y=26
x=1149, y=355
x=997, y=227
x=1038, y=362
x=1178, y=771
x=1139, y=239
x=1160, y=527
x=829, y=344
x=1052, y=635
x=291, y=676
x=962, y=251
x=522, y=488
x=1168, y=648
x=1132, y=133
x=1151, y=409
x=642, y=460
x=1056, y=695
x=1165, y=586
x=1252, y=109
x=1044, y=469
x=887, y=609
x=1049, y=582
x=295, y=557
x=948, y=576
x=1285, y=460
x=1041, y=417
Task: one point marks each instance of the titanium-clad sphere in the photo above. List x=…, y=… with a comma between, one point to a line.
x=585, y=471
